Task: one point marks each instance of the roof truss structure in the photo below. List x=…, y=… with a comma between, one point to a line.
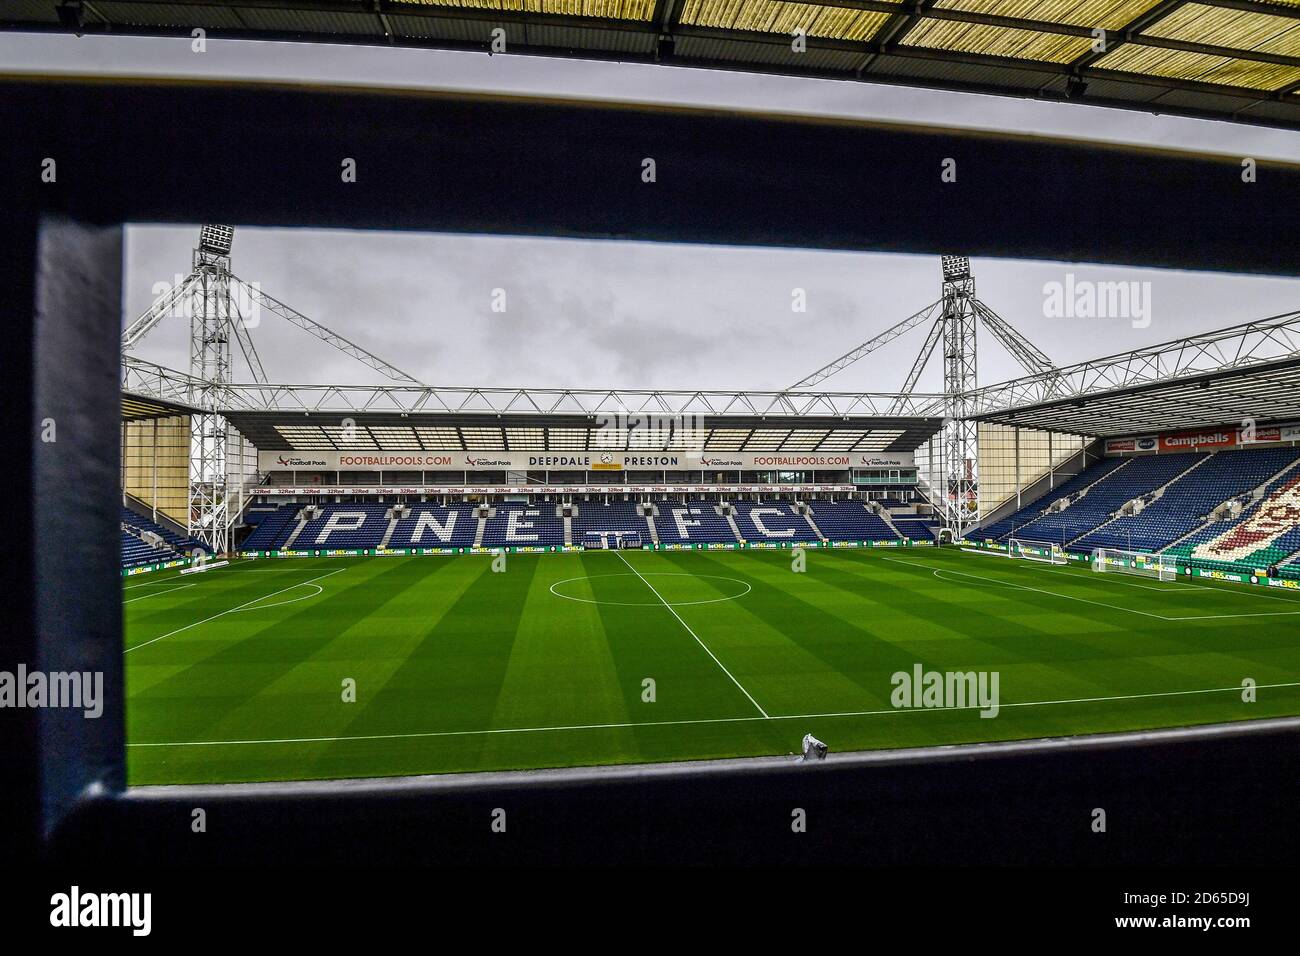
x=1247, y=371
x=1251, y=370
x=276, y=431
x=149, y=380
x=1236, y=59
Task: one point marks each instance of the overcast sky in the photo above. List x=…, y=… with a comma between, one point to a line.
x=601, y=313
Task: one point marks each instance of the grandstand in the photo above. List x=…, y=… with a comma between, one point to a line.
x=146, y=542
x=1225, y=510
x=792, y=543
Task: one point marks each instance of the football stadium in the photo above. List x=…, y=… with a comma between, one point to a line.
x=330, y=580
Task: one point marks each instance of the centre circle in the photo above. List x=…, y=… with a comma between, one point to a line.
x=647, y=579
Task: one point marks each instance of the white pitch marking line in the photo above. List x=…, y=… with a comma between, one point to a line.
x=1166, y=588
x=672, y=610
x=305, y=597
x=232, y=610
x=1025, y=587
x=1114, y=607
x=221, y=572
x=144, y=597
x=678, y=723
x=1184, y=586
x=666, y=574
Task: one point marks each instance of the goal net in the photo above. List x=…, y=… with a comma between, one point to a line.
x=1143, y=563
x=611, y=540
x=1047, y=552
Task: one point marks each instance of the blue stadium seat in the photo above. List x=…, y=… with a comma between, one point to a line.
x=135, y=552
x=1187, y=502
x=850, y=521
x=692, y=522
x=519, y=525
x=772, y=521
x=436, y=526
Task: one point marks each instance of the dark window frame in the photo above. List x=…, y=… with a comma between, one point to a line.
x=438, y=162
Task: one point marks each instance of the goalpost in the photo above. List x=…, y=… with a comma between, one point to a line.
x=1046, y=552
x=612, y=540
x=1146, y=564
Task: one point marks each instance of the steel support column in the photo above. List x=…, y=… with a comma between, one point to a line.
x=960, y=446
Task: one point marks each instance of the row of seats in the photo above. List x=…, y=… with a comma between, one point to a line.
x=1267, y=532
x=135, y=551
x=356, y=525
x=772, y=521
x=363, y=525
x=436, y=526
x=272, y=529
x=1179, y=492
x=1187, y=502
x=849, y=521
x=1139, y=477
x=1003, y=528
x=917, y=529
x=595, y=519
x=692, y=522
x=523, y=525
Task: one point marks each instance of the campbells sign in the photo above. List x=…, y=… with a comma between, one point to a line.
x=1209, y=438
x=1204, y=439
x=1116, y=446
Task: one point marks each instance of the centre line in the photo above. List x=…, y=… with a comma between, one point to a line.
x=673, y=612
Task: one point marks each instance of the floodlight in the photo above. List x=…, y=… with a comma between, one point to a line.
x=216, y=239
x=955, y=268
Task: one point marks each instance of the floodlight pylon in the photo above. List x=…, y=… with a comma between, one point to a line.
x=211, y=295
x=210, y=334
x=954, y=477
x=958, y=494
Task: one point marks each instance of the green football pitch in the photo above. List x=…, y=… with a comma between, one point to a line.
x=240, y=673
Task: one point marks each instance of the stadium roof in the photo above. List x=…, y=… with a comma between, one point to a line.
x=388, y=431
x=1263, y=394
x=143, y=407
x=412, y=417
x=1248, y=371
x=1230, y=59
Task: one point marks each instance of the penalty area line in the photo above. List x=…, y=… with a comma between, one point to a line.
x=680, y=723
x=135, y=647
x=145, y=597
x=1113, y=607
x=1025, y=587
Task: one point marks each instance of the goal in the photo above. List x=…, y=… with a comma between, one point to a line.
x=1047, y=552
x=611, y=540
x=1143, y=563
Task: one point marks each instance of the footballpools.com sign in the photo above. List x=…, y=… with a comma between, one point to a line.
x=576, y=461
